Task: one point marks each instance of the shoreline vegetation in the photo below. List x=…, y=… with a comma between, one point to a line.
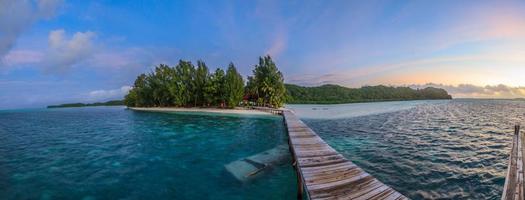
x=188, y=86
x=335, y=94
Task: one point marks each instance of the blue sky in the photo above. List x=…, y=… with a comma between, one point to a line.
x=55, y=51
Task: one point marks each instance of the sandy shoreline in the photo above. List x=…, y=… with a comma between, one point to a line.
x=205, y=110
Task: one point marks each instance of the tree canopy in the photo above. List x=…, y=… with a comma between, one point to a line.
x=190, y=86
x=186, y=85
x=266, y=86
x=338, y=94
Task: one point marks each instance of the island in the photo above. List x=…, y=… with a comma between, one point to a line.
x=188, y=86
x=107, y=103
x=334, y=94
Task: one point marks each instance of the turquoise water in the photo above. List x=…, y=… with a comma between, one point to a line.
x=454, y=149
x=114, y=153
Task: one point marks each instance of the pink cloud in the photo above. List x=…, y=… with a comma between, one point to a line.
x=475, y=91
x=482, y=23
x=279, y=44
x=446, y=69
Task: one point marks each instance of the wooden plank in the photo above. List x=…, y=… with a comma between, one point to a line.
x=337, y=184
x=347, y=193
x=514, y=181
x=334, y=177
x=355, y=190
x=321, y=152
x=372, y=193
x=328, y=169
x=394, y=196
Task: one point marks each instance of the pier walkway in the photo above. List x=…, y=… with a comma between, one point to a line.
x=323, y=173
x=513, y=189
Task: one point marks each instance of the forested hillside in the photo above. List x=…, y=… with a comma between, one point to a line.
x=329, y=94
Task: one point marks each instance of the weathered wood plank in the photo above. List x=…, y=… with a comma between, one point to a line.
x=325, y=173
x=363, y=186
x=513, y=189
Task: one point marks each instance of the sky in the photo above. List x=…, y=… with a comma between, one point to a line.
x=54, y=51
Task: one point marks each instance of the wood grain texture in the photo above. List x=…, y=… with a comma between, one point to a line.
x=326, y=174
x=513, y=189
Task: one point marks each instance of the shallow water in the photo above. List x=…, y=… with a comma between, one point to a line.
x=339, y=111
x=456, y=149
x=113, y=153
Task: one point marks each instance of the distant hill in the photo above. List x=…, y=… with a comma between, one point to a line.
x=107, y=103
x=332, y=94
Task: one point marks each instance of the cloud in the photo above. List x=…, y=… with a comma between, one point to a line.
x=494, y=21
x=97, y=95
x=346, y=76
x=476, y=69
x=477, y=23
x=16, y=16
x=63, y=53
x=21, y=57
x=474, y=91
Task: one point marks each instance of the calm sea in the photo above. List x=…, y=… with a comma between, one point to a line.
x=454, y=149
x=114, y=153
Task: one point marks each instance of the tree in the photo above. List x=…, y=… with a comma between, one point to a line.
x=268, y=83
x=251, y=89
x=340, y=94
x=182, y=85
x=218, y=84
x=200, y=83
x=144, y=97
x=130, y=99
x=160, y=81
x=185, y=85
x=234, y=87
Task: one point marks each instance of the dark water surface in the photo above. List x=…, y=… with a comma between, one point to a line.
x=448, y=150
x=113, y=153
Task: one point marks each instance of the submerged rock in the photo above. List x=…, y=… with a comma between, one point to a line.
x=247, y=168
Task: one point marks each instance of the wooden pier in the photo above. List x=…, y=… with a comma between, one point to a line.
x=275, y=111
x=323, y=173
x=513, y=189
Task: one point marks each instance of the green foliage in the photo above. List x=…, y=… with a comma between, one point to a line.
x=219, y=93
x=234, y=87
x=202, y=77
x=185, y=85
x=159, y=83
x=338, y=94
x=266, y=86
x=131, y=98
x=143, y=90
x=182, y=88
